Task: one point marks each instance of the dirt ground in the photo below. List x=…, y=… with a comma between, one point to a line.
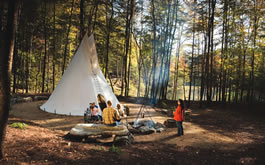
x=212, y=136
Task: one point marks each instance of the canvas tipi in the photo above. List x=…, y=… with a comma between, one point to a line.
x=80, y=84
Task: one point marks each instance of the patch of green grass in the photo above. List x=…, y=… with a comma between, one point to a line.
x=115, y=149
x=101, y=148
x=19, y=125
x=98, y=148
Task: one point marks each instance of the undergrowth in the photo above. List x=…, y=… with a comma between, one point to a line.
x=19, y=125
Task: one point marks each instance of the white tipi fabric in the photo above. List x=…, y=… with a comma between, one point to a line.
x=80, y=84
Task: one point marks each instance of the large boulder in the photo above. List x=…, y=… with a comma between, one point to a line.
x=124, y=140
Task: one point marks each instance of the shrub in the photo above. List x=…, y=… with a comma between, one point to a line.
x=18, y=125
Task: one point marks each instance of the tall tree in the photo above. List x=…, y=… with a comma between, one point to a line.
x=67, y=36
x=82, y=28
x=54, y=45
x=45, y=46
x=192, y=52
x=6, y=53
x=108, y=23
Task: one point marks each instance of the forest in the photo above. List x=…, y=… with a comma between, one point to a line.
x=206, y=52
x=196, y=50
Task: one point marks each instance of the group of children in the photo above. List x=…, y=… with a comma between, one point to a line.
x=110, y=115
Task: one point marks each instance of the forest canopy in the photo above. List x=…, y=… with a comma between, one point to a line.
x=198, y=50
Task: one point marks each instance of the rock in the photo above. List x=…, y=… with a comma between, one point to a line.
x=160, y=129
x=27, y=99
x=170, y=123
x=159, y=125
x=124, y=140
x=146, y=130
x=41, y=97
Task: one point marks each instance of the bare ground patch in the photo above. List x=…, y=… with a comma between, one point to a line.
x=212, y=136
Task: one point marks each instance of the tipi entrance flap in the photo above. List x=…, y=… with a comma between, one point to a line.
x=81, y=83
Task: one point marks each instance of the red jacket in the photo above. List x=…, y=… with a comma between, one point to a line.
x=178, y=115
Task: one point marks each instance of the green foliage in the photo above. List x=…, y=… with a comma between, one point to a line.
x=115, y=149
x=98, y=148
x=19, y=125
x=101, y=148
x=145, y=53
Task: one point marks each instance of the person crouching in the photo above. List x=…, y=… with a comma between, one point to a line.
x=110, y=115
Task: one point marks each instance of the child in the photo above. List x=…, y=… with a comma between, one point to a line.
x=120, y=114
x=179, y=116
x=95, y=111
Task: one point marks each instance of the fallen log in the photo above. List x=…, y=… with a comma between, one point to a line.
x=98, y=129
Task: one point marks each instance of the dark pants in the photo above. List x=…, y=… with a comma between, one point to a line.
x=180, y=128
x=97, y=117
x=100, y=118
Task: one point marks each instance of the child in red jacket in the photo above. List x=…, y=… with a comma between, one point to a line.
x=179, y=116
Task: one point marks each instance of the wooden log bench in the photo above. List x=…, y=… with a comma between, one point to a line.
x=122, y=134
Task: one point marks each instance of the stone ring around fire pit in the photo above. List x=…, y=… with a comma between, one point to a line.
x=122, y=134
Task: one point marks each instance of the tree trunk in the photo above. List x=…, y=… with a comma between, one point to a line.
x=256, y=20
x=37, y=75
x=207, y=72
x=224, y=78
x=174, y=21
x=192, y=53
x=28, y=64
x=154, y=82
x=67, y=37
x=203, y=69
x=129, y=71
x=48, y=68
x=81, y=17
x=54, y=45
x=139, y=65
x=243, y=72
x=1, y=15
x=95, y=17
x=45, y=47
x=14, y=69
x=212, y=46
x=108, y=23
x=129, y=15
x=222, y=61
x=184, y=81
x=6, y=49
x=175, y=85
